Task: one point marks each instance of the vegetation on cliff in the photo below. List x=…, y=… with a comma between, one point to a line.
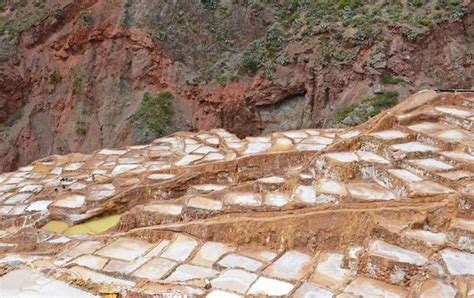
x=364, y=109
x=153, y=116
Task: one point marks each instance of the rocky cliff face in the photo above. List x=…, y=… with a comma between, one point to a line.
x=72, y=76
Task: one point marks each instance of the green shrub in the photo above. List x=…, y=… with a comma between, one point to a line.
x=85, y=18
x=382, y=101
x=221, y=80
x=12, y=120
x=417, y=3
x=341, y=113
x=264, y=52
x=349, y=3
x=425, y=22
x=364, y=109
x=81, y=131
x=250, y=63
x=78, y=78
x=55, y=78
x=385, y=79
x=155, y=113
x=326, y=51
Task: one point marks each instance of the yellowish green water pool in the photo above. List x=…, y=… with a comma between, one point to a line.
x=91, y=227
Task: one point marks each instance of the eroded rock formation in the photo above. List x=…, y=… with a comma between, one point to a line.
x=76, y=77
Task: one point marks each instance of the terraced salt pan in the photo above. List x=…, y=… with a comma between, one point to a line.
x=7, y=187
x=331, y=187
x=209, y=253
x=244, y=199
x=429, y=127
x=4, y=210
x=235, y=145
x=17, y=210
x=436, y=288
x=457, y=175
x=319, y=140
x=290, y=266
x=205, y=150
x=458, y=156
x=426, y=188
x=18, y=198
x=343, y=156
x=389, y=134
x=180, y=249
x=361, y=286
x=270, y=287
x=253, y=148
x=124, y=267
x=28, y=283
x=296, y=134
x=259, y=139
x=329, y=272
x=156, y=251
x=414, y=147
x=120, y=169
x=309, y=147
x=454, y=111
x=272, y=180
x=112, y=152
x=161, y=176
x=166, y=209
x=212, y=140
x=276, y=199
x=100, y=278
x=237, y=261
x=234, y=280
x=35, y=188
x=370, y=191
x=371, y=157
x=70, y=201
x=57, y=171
x=191, y=148
x=86, y=247
x=77, y=186
x=155, y=269
x=395, y=253
x=127, y=249
x=458, y=263
x=308, y=290
x=90, y=261
x=206, y=188
x=187, y=159
x=305, y=194
x=73, y=166
x=100, y=192
x=405, y=175
x=15, y=180
x=189, y=272
x=454, y=135
x=258, y=254
x=427, y=236
x=431, y=164
x=464, y=224
x=213, y=156
x=204, y=203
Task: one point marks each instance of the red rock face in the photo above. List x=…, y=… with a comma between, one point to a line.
x=106, y=67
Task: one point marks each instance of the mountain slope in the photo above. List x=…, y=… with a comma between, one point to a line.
x=73, y=76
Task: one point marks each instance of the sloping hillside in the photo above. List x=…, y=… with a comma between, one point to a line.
x=76, y=76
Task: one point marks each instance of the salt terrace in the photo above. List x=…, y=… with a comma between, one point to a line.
x=383, y=209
